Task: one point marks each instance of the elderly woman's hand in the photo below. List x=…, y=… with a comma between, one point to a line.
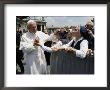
x=55, y=49
x=70, y=49
x=89, y=52
x=61, y=49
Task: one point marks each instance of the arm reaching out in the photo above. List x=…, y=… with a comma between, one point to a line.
x=48, y=49
x=45, y=48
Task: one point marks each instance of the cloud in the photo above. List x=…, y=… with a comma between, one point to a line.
x=58, y=21
x=67, y=20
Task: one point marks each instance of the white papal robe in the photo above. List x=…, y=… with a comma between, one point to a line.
x=34, y=55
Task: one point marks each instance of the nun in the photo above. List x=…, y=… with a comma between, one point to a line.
x=76, y=59
x=76, y=49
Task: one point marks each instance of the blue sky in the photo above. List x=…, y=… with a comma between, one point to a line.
x=59, y=21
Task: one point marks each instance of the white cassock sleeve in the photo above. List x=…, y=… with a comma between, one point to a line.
x=49, y=38
x=83, y=49
x=45, y=48
x=45, y=37
x=26, y=46
x=48, y=49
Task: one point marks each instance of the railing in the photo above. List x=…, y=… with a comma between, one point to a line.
x=63, y=62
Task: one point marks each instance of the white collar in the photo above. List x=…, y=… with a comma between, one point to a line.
x=31, y=33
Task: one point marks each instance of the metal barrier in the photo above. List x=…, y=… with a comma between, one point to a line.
x=63, y=62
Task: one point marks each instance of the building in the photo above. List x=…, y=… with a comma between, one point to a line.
x=41, y=25
x=22, y=25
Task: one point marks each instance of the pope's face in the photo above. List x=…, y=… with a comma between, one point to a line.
x=33, y=28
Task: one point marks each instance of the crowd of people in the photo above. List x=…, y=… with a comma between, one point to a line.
x=36, y=48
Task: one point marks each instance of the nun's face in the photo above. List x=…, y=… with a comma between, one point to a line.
x=76, y=32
